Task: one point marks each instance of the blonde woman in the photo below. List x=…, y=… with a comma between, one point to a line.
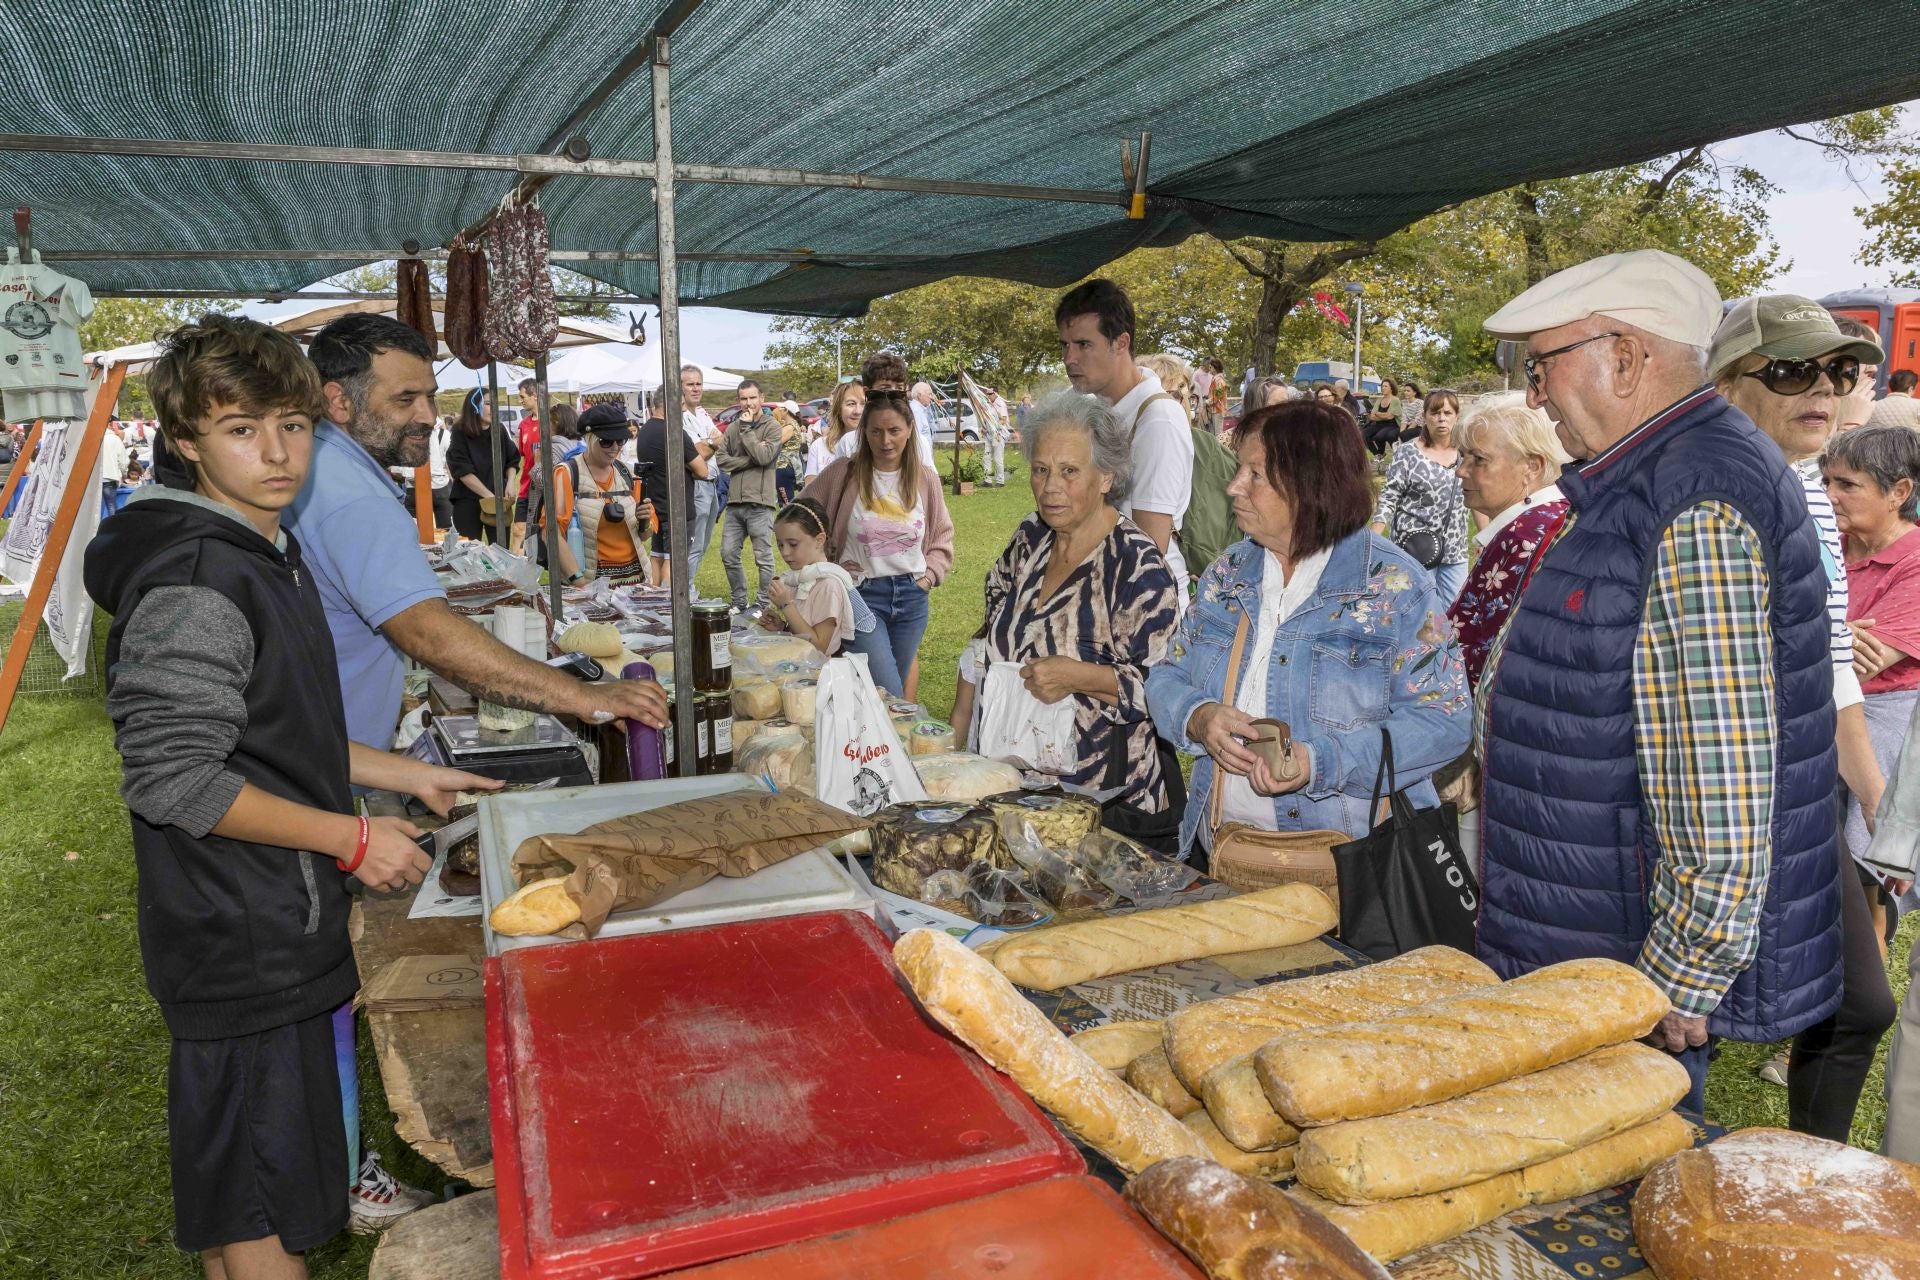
x=1509, y=461
x=1176, y=378
x=842, y=434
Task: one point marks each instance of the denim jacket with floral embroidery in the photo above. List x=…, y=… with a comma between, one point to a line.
x=1371, y=648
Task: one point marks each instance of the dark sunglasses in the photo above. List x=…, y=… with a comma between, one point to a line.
x=1795, y=377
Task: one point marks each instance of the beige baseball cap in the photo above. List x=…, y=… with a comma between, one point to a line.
x=1784, y=326
x=1649, y=289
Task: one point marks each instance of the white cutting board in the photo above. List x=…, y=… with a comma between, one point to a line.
x=806, y=882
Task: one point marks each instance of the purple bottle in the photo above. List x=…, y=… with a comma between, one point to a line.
x=646, y=752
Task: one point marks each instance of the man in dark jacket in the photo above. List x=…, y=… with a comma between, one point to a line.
x=1657, y=718
x=750, y=455
x=236, y=773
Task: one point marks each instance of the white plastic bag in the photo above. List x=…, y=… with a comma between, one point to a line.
x=1018, y=728
x=858, y=761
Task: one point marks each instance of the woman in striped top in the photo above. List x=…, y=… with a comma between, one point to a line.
x=1084, y=602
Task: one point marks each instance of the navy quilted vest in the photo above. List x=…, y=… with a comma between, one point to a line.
x=1566, y=859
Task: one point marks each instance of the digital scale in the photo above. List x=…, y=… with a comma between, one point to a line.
x=544, y=749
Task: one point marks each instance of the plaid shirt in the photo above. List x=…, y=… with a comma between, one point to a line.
x=1704, y=737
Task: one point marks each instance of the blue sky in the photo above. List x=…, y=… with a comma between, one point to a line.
x=1812, y=216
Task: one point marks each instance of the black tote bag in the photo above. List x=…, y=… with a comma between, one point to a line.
x=1404, y=884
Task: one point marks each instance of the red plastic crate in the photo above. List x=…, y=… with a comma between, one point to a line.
x=1048, y=1230
x=672, y=1099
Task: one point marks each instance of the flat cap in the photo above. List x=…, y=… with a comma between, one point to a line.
x=1647, y=288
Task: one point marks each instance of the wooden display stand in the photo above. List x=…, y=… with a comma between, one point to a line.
x=79, y=489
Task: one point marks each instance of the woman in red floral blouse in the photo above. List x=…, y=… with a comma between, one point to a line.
x=1509, y=459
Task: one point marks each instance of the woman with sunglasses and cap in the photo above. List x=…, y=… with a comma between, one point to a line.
x=597, y=489
x=1783, y=362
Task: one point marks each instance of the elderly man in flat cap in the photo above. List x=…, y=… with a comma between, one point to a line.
x=1657, y=721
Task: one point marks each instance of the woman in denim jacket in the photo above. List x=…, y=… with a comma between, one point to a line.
x=1346, y=634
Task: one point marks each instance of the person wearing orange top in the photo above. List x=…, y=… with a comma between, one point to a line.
x=596, y=488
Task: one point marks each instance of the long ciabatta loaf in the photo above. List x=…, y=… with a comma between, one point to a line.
x=1117, y=1044
x=970, y=998
x=1395, y=1228
x=1202, y=1036
x=1150, y=1074
x=1268, y=1166
x=1238, y=1229
x=1049, y=959
x=1765, y=1204
x=1441, y=1050
x=1491, y=1131
x=1232, y=1095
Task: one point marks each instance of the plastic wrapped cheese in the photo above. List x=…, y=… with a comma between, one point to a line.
x=962, y=776
x=596, y=640
x=662, y=661
x=761, y=651
x=745, y=730
x=912, y=841
x=1061, y=821
x=905, y=715
x=797, y=699
x=930, y=738
x=784, y=759
x=755, y=699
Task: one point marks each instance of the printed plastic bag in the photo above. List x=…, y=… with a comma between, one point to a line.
x=859, y=763
x=1018, y=728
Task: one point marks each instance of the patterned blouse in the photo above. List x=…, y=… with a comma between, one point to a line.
x=1117, y=609
x=1494, y=582
x=1422, y=494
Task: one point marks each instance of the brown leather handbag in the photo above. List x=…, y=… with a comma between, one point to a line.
x=1247, y=857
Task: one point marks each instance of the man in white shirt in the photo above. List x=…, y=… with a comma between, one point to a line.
x=113, y=463
x=1096, y=324
x=437, y=474
x=698, y=424
x=922, y=396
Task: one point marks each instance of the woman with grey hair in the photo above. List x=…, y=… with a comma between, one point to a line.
x=1079, y=605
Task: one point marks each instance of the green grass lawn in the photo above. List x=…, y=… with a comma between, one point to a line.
x=83, y=1053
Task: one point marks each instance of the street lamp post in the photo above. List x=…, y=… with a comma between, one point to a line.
x=1359, y=301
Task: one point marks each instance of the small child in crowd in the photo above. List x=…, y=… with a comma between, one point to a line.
x=814, y=598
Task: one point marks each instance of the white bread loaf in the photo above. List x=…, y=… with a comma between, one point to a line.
x=1232, y=1095
x=1115, y=1045
x=1150, y=1074
x=1268, y=1166
x=1766, y=1204
x=1049, y=959
x=1395, y=1228
x=1452, y=1046
x=1237, y=1228
x=1202, y=1036
x=970, y=998
x=1491, y=1131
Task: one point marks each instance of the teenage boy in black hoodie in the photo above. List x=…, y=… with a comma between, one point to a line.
x=236, y=761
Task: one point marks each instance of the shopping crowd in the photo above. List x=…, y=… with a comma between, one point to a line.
x=1652, y=626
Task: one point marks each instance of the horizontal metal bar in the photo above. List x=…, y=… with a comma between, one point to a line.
x=551, y=165
x=268, y=295
x=436, y=255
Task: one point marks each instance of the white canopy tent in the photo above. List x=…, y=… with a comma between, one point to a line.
x=619, y=368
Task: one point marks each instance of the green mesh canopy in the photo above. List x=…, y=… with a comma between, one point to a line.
x=1289, y=118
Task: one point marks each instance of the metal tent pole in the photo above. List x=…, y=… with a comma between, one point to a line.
x=678, y=551
x=502, y=504
x=550, y=519
x=956, y=432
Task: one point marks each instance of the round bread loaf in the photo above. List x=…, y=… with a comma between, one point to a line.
x=1766, y=1204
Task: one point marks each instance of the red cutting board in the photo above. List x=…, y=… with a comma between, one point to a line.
x=670, y=1099
x=1050, y=1230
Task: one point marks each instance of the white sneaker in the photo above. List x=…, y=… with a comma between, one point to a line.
x=378, y=1199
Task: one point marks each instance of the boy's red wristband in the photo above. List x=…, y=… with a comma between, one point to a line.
x=359, y=850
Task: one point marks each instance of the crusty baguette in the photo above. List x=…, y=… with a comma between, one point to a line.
x=1491, y=1131
x=1202, y=1036
x=1117, y=1044
x=1441, y=1050
x=1237, y=1228
x=1150, y=1074
x=1395, y=1228
x=1268, y=1166
x=1765, y=1204
x=1232, y=1095
x=970, y=998
x=1048, y=959
x=536, y=910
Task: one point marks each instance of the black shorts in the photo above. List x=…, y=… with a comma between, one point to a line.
x=259, y=1146
x=520, y=510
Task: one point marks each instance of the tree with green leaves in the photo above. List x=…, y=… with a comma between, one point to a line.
x=124, y=322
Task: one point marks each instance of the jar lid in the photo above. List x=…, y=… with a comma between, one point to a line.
x=711, y=608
